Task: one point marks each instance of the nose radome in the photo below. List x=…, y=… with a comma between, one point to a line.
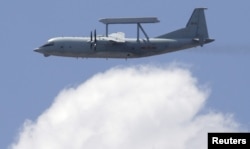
x=37, y=50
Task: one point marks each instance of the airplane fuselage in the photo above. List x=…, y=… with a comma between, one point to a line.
x=131, y=48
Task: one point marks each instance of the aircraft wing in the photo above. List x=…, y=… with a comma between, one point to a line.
x=117, y=37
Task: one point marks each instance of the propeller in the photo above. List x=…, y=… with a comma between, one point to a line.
x=95, y=35
x=91, y=40
x=91, y=36
x=93, y=43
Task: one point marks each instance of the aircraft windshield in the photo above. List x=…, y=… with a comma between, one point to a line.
x=48, y=44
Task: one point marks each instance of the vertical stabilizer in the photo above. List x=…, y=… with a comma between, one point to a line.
x=195, y=29
x=197, y=24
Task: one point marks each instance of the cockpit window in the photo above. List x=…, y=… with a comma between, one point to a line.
x=48, y=44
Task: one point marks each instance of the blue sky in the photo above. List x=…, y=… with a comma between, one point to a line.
x=29, y=81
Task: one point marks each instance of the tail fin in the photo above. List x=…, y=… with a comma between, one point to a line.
x=195, y=29
x=197, y=24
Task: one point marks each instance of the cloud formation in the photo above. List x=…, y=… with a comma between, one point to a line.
x=140, y=107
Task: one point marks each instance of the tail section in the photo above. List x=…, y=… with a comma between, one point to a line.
x=195, y=29
x=197, y=25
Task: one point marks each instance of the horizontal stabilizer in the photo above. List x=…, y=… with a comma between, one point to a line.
x=202, y=41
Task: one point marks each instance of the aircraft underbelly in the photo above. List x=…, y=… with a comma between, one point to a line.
x=99, y=54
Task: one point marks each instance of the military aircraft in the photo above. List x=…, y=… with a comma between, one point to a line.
x=115, y=45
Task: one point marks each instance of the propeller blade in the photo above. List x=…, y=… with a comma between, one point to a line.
x=91, y=40
x=91, y=36
x=95, y=40
x=95, y=36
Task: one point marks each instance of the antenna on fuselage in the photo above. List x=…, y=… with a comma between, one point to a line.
x=137, y=21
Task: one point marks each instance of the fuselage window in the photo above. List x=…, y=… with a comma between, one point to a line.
x=48, y=44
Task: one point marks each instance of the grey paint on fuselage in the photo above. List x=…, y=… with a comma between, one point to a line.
x=194, y=34
x=80, y=47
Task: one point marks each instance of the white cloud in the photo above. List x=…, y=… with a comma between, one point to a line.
x=143, y=107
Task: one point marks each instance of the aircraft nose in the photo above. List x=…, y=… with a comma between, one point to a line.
x=37, y=50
